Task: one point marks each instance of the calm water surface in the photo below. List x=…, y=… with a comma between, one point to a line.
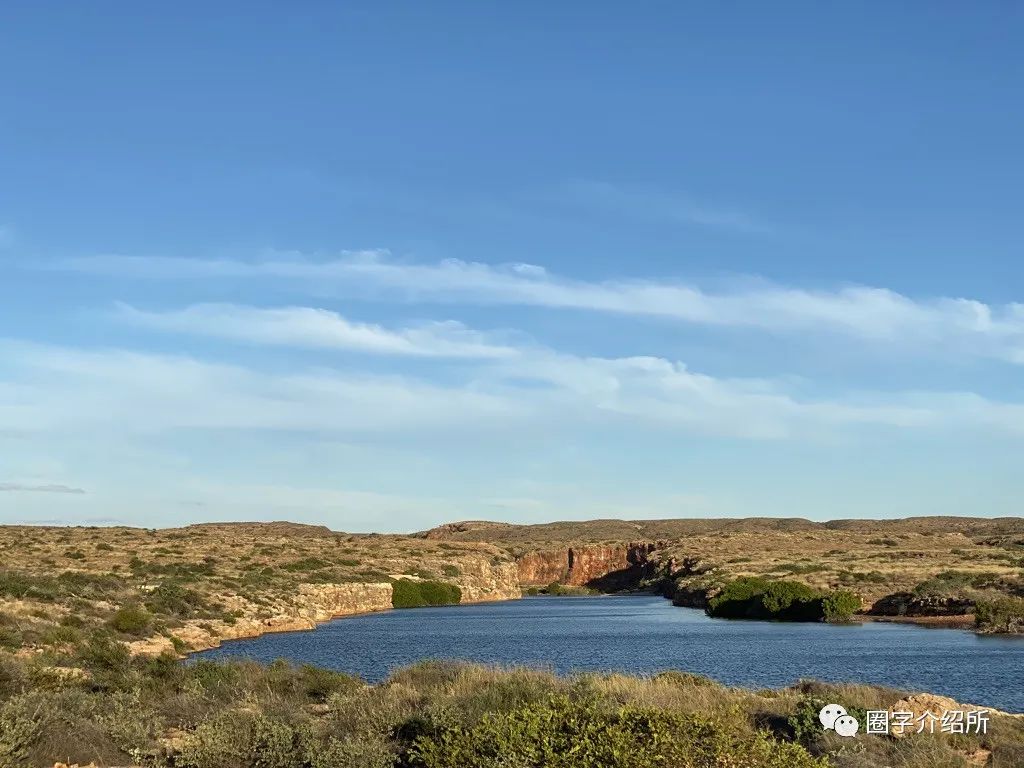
x=647, y=634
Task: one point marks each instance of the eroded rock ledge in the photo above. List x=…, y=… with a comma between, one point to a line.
x=605, y=567
x=479, y=581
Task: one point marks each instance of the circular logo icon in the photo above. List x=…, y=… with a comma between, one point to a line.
x=847, y=726
x=828, y=715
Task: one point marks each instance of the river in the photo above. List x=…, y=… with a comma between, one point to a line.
x=641, y=634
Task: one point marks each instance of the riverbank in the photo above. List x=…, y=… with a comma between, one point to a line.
x=644, y=635
x=316, y=605
x=963, y=621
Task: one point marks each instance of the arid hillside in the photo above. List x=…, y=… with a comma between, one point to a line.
x=929, y=557
x=189, y=588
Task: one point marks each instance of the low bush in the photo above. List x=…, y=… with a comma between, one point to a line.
x=10, y=637
x=407, y=593
x=305, y=565
x=557, y=589
x=131, y=620
x=23, y=586
x=839, y=606
x=945, y=583
x=240, y=738
x=1001, y=615
x=172, y=599
x=103, y=652
x=803, y=567
x=574, y=734
x=752, y=597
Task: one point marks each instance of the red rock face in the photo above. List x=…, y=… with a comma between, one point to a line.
x=585, y=565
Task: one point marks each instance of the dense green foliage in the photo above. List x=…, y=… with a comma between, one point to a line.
x=131, y=620
x=1004, y=614
x=561, y=733
x=751, y=597
x=955, y=583
x=407, y=593
x=804, y=722
x=839, y=605
x=557, y=589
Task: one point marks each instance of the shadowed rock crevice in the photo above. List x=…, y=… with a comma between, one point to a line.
x=604, y=568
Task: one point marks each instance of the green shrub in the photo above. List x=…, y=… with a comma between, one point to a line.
x=1001, y=615
x=23, y=586
x=10, y=638
x=801, y=567
x=554, y=588
x=804, y=723
x=350, y=752
x=94, y=586
x=578, y=734
x=171, y=599
x=239, y=738
x=319, y=683
x=40, y=726
x=753, y=597
x=305, y=564
x=839, y=606
x=407, y=593
x=21, y=723
x=131, y=620
x=104, y=653
x=213, y=676
x=451, y=571
x=61, y=635
x=685, y=679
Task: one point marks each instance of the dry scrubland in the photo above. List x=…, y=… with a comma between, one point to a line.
x=186, y=589
x=939, y=557
x=93, y=622
x=155, y=711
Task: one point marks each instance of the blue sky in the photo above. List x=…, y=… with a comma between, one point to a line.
x=381, y=266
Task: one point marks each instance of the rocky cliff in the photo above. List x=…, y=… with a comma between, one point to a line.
x=314, y=603
x=480, y=580
x=607, y=567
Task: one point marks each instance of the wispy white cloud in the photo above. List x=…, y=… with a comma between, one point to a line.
x=877, y=315
x=40, y=488
x=319, y=329
x=56, y=389
x=50, y=388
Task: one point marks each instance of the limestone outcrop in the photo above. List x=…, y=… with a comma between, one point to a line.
x=480, y=579
x=608, y=567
